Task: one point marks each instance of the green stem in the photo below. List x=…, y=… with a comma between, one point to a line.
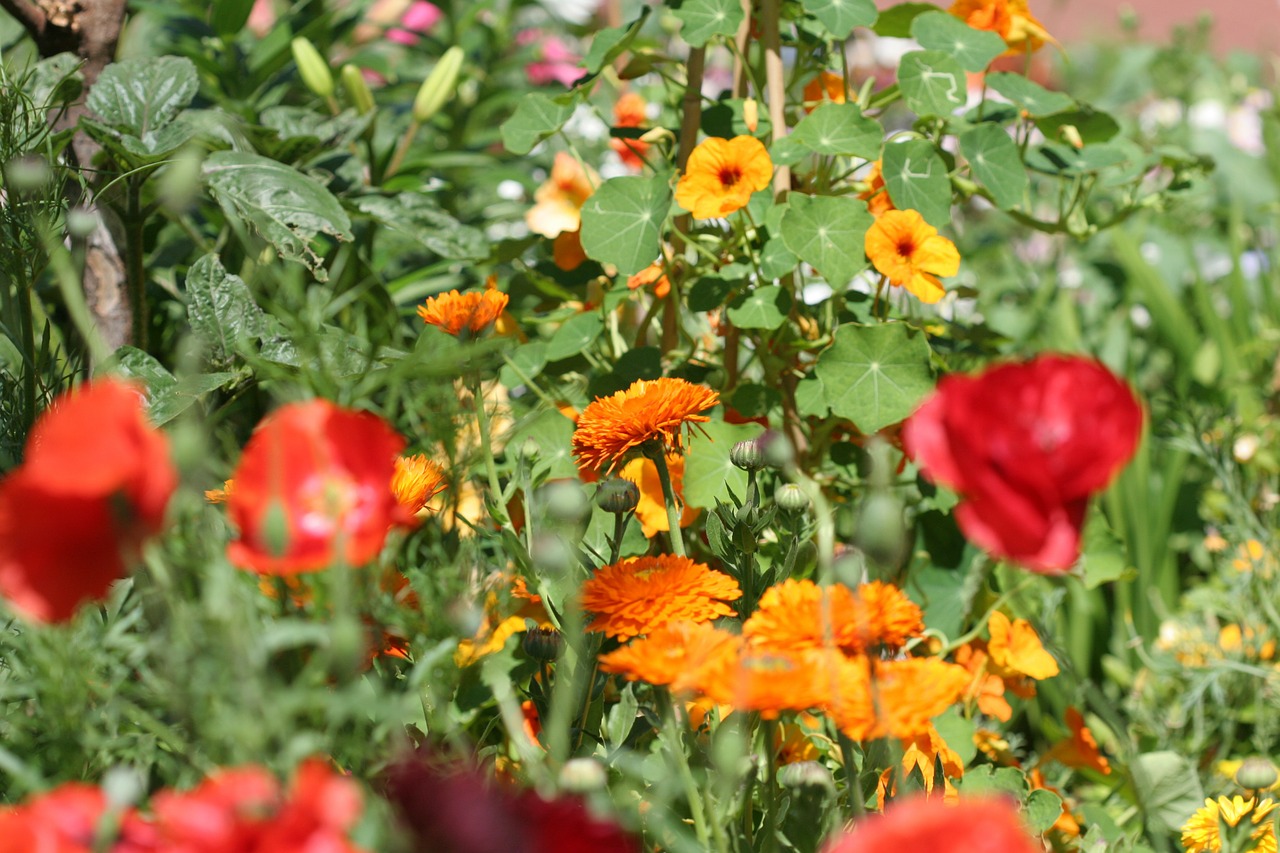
x=857, y=808
x=770, y=788
x=656, y=452
x=671, y=735
x=402, y=150
x=496, y=509
x=136, y=271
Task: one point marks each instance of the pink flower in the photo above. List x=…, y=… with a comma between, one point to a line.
x=556, y=63
x=418, y=20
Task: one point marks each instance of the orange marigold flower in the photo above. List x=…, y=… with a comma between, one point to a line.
x=770, y=681
x=558, y=202
x=900, y=699
x=911, y=253
x=650, y=410
x=416, y=481
x=795, y=615
x=1010, y=19
x=1015, y=649
x=453, y=311
x=651, y=509
x=722, y=174
x=876, y=195
x=654, y=274
x=219, y=496
x=676, y=655
x=1080, y=749
x=827, y=86
x=641, y=594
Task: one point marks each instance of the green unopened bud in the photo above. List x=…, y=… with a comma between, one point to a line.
x=439, y=85
x=541, y=644
x=617, y=495
x=881, y=533
x=1256, y=774
x=26, y=173
x=565, y=500
x=791, y=498
x=312, y=67
x=82, y=222
x=583, y=775
x=357, y=89
x=747, y=455
x=347, y=647
x=807, y=774
x=529, y=449
x=553, y=554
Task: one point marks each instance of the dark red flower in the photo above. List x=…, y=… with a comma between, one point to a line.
x=313, y=487
x=1025, y=445
x=93, y=486
x=969, y=826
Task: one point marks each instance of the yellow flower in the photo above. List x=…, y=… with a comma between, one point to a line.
x=651, y=509
x=416, y=480
x=1203, y=832
x=219, y=496
x=612, y=427
x=722, y=174
x=1015, y=649
x=911, y=253
x=559, y=200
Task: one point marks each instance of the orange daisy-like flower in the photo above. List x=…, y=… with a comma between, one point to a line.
x=896, y=698
x=911, y=253
x=876, y=195
x=651, y=510
x=453, y=311
x=416, y=481
x=641, y=594
x=722, y=174
x=770, y=682
x=1080, y=750
x=1015, y=649
x=827, y=86
x=558, y=202
x=1010, y=19
x=650, y=410
x=795, y=615
x=677, y=655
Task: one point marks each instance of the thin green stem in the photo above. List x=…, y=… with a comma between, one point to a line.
x=671, y=734
x=656, y=452
x=402, y=150
x=136, y=274
x=496, y=508
x=770, y=788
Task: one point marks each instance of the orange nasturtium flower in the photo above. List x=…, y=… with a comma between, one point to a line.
x=876, y=195
x=610, y=428
x=654, y=274
x=1010, y=19
x=630, y=111
x=641, y=594
x=1202, y=833
x=314, y=487
x=558, y=202
x=722, y=174
x=911, y=253
x=827, y=86
x=1015, y=649
x=416, y=481
x=456, y=312
x=1080, y=749
x=676, y=656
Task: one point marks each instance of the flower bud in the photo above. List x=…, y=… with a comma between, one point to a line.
x=357, y=89
x=751, y=114
x=439, y=85
x=27, y=173
x=807, y=774
x=583, y=775
x=82, y=222
x=778, y=452
x=1256, y=774
x=882, y=533
x=552, y=553
x=791, y=498
x=541, y=644
x=565, y=500
x=747, y=455
x=311, y=66
x=617, y=495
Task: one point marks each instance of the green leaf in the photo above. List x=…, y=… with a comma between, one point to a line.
x=138, y=96
x=875, y=375
x=622, y=222
x=1168, y=789
x=895, y=22
x=828, y=233
x=840, y=129
x=932, y=83
x=841, y=16
x=609, y=43
x=220, y=308
x=288, y=209
x=523, y=364
x=706, y=19
x=762, y=308
x=1032, y=97
x=536, y=117
x=708, y=473
x=577, y=333
x=167, y=397
x=972, y=49
x=994, y=159
x=985, y=779
x=811, y=399
x=1041, y=810
x=1092, y=126
x=553, y=433
x=419, y=218
x=776, y=260
x=958, y=732
x=916, y=178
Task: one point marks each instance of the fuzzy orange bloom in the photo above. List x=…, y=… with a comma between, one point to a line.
x=770, y=682
x=650, y=410
x=655, y=275
x=641, y=594
x=453, y=311
x=827, y=86
x=876, y=195
x=874, y=699
x=558, y=202
x=984, y=687
x=630, y=111
x=677, y=655
x=651, y=509
x=1080, y=749
x=794, y=615
x=722, y=174
x=417, y=480
x=1015, y=649
x=1010, y=19
x=911, y=253
x=219, y=496
x=923, y=753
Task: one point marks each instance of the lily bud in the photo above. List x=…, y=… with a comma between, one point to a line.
x=313, y=68
x=439, y=85
x=357, y=89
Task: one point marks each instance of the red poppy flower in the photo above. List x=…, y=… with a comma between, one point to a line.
x=1025, y=445
x=314, y=486
x=67, y=820
x=969, y=826
x=94, y=485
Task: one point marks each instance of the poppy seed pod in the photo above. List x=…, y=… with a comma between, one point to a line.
x=313, y=69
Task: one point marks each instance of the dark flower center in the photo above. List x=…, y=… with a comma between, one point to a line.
x=906, y=246
x=729, y=176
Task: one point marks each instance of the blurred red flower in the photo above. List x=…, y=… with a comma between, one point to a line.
x=94, y=484
x=1025, y=445
x=969, y=826
x=67, y=820
x=314, y=486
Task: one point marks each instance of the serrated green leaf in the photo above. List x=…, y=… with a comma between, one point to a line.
x=762, y=308
x=708, y=473
x=942, y=31
x=994, y=159
x=828, y=233
x=608, y=43
x=576, y=334
x=536, y=117
x=932, y=83
x=287, y=208
x=841, y=16
x=138, y=96
x=167, y=397
x=418, y=217
x=875, y=375
x=916, y=178
x=840, y=129
x=622, y=222
x=705, y=19
x=1032, y=97
x=220, y=308
x=1041, y=810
